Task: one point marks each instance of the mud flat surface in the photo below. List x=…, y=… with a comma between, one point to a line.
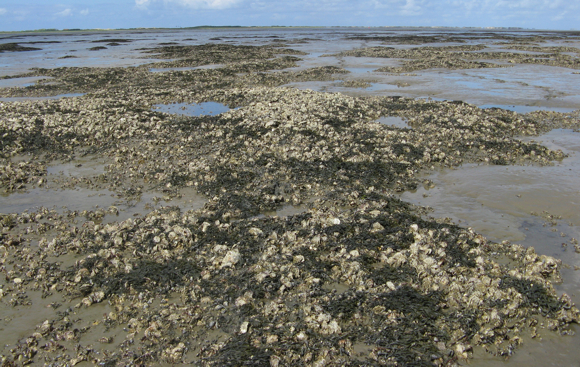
x=192, y=201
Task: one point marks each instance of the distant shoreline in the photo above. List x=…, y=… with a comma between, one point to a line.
x=203, y=27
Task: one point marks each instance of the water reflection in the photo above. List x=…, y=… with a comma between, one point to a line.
x=395, y=121
x=20, y=99
x=494, y=200
x=195, y=109
x=22, y=82
x=526, y=109
x=86, y=199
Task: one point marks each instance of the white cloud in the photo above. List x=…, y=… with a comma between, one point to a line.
x=210, y=4
x=194, y=4
x=64, y=13
x=3, y=11
x=206, y=4
x=142, y=3
x=85, y=12
x=410, y=8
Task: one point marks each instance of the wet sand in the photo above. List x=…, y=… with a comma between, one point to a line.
x=533, y=206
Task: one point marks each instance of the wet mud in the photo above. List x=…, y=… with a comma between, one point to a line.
x=272, y=232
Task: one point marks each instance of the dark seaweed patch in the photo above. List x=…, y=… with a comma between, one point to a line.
x=242, y=206
x=409, y=340
x=346, y=304
x=535, y=295
x=147, y=275
x=239, y=351
x=115, y=40
x=467, y=321
x=15, y=47
x=319, y=269
x=407, y=300
x=457, y=255
x=393, y=274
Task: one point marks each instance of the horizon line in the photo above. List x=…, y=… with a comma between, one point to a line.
x=281, y=26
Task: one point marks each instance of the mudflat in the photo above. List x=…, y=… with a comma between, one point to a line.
x=221, y=197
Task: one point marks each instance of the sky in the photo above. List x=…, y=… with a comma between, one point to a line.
x=18, y=15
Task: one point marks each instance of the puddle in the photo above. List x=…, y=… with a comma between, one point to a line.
x=19, y=99
x=85, y=166
x=497, y=201
x=395, y=121
x=86, y=199
x=20, y=321
x=551, y=350
x=21, y=82
x=80, y=199
x=360, y=70
x=288, y=210
x=196, y=109
x=339, y=288
x=315, y=86
x=526, y=109
x=382, y=86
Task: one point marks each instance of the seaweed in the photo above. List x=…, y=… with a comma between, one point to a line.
x=239, y=351
x=395, y=274
x=408, y=341
x=15, y=47
x=148, y=274
x=535, y=295
x=346, y=304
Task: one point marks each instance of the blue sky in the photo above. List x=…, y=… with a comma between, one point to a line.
x=16, y=15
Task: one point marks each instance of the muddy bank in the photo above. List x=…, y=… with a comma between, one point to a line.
x=356, y=276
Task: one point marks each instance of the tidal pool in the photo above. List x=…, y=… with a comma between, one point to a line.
x=395, y=121
x=195, y=109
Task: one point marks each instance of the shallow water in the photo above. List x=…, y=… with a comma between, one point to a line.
x=526, y=109
x=497, y=201
x=383, y=87
x=195, y=109
x=86, y=199
x=80, y=199
x=84, y=166
x=21, y=82
x=395, y=121
x=19, y=99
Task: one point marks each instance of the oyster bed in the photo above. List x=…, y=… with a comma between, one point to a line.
x=358, y=277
